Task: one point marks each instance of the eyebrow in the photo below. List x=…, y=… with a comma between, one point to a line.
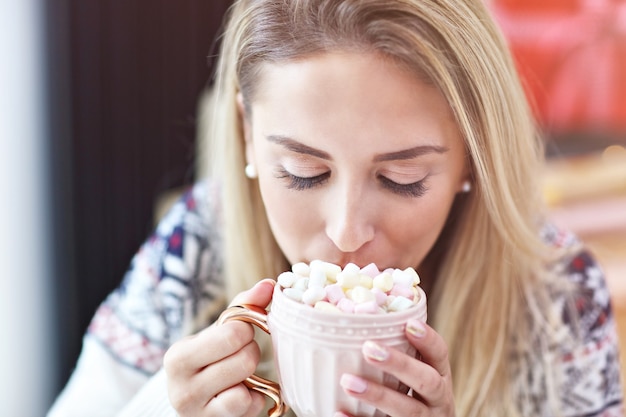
x=410, y=153
x=298, y=147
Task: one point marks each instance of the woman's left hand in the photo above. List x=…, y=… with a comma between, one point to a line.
x=429, y=378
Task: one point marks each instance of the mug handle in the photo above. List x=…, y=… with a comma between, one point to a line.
x=256, y=316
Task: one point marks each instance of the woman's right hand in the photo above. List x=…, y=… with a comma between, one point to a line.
x=205, y=372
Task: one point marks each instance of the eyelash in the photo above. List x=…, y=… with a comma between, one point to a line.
x=302, y=183
x=415, y=189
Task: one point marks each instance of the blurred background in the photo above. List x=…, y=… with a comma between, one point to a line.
x=99, y=109
x=572, y=58
x=98, y=104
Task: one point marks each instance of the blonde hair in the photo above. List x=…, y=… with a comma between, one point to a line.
x=486, y=292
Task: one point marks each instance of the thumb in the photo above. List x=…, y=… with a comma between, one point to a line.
x=260, y=295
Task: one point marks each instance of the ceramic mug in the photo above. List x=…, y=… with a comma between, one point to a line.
x=313, y=348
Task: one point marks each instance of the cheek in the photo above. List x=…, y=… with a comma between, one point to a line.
x=436, y=212
x=276, y=204
x=416, y=229
x=292, y=219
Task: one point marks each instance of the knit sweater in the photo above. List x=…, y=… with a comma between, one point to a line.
x=178, y=273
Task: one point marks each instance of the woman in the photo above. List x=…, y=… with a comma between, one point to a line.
x=393, y=132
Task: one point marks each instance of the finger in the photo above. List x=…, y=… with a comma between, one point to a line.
x=433, y=388
x=258, y=404
x=431, y=346
x=259, y=295
x=197, y=391
x=236, y=401
x=387, y=400
x=189, y=355
x=231, y=370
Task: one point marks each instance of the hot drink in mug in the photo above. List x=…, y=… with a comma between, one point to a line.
x=320, y=317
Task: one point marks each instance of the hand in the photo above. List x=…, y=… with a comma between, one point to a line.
x=430, y=378
x=205, y=372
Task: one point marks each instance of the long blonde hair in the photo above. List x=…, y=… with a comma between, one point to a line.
x=486, y=290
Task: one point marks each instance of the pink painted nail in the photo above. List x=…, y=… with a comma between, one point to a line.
x=375, y=351
x=353, y=383
x=416, y=328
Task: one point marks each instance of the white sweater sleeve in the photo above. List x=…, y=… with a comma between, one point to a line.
x=174, y=283
x=89, y=392
x=151, y=401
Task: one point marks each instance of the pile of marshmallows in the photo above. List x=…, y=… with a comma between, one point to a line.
x=366, y=290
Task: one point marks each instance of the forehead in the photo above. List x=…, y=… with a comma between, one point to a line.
x=341, y=64
x=363, y=91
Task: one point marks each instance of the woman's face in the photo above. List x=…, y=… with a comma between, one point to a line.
x=358, y=161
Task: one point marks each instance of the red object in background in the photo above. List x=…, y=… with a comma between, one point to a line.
x=571, y=55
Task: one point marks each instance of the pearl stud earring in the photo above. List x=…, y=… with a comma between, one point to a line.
x=250, y=171
x=466, y=187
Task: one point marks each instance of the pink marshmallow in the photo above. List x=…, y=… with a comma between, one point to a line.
x=346, y=305
x=370, y=270
x=368, y=307
x=334, y=293
x=381, y=296
x=401, y=290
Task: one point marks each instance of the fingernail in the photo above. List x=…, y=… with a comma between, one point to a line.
x=375, y=351
x=416, y=328
x=353, y=383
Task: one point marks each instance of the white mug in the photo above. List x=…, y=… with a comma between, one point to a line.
x=313, y=348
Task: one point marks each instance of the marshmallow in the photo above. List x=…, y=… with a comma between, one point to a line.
x=346, y=305
x=302, y=283
x=399, y=303
x=327, y=287
x=371, y=270
x=331, y=270
x=413, y=273
x=402, y=278
x=327, y=307
x=383, y=281
x=301, y=268
x=348, y=279
x=293, y=293
x=312, y=295
x=317, y=278
x=381, y=296
x=287, y=279
x=402, y=291
x=334, y=293
x=369, y=307
x=352, y=268
x=361, y=295
x=366, y=281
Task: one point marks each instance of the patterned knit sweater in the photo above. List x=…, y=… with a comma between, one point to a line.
x=177, y=273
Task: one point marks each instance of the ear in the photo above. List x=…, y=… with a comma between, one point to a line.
x=246, y=127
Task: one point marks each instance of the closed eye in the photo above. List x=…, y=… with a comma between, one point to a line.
x=414, y=189
x=297, y=183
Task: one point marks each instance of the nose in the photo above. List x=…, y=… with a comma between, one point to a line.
x=350, y=222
